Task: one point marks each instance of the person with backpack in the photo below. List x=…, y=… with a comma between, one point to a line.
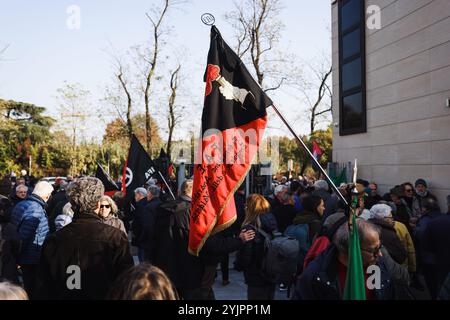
x=307, y=224
x=250, y=258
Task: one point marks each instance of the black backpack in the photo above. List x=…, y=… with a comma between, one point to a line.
x=280, y=259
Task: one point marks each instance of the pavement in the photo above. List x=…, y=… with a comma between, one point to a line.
x=237, y=289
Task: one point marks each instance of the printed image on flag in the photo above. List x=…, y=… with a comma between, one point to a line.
x=233, y=123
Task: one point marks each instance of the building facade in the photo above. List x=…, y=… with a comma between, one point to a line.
x=391, y=90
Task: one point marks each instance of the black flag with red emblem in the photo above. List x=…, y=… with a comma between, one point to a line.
x=138, y=169
x=233, y=123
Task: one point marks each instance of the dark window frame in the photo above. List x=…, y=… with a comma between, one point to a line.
x=362, y=54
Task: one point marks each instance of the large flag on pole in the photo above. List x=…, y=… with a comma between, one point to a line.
x=138, y=169
x=233, y=123
x=110, y=186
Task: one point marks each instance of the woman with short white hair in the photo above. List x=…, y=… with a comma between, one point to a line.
x=384, y=211
x=381, y=215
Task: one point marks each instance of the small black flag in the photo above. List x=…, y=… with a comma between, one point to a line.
x=104, y=177
x=139, y=168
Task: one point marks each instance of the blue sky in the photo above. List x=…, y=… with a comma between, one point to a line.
x=43, y=52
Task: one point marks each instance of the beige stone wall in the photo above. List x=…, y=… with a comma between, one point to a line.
x=407, y=84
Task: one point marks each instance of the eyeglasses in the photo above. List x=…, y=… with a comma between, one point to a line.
x=107, y=206
x=408, y=190
x=374, y=252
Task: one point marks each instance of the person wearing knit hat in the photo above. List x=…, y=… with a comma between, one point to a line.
x=422, y=194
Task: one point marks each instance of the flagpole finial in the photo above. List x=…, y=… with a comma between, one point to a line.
x=208, y=19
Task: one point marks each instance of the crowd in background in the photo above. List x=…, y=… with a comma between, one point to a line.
x=45, y=228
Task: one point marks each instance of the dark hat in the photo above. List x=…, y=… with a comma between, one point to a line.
x=365, y=183
x=420, y=181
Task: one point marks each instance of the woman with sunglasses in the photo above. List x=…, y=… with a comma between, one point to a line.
x=108, y=213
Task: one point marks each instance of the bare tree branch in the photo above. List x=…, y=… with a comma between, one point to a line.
x=152, y=66
x=276, y=87
x=172, y=117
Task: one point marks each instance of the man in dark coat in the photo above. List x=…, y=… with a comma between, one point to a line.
x=436, y=241
x=140, y=197
x=84, y=258
x=144, y=224
x=324, y=277
x=192, y=276
x=171, y=243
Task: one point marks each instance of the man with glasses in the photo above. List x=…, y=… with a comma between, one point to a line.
x=324, y=278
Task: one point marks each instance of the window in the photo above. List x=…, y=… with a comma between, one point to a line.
x=352, y=69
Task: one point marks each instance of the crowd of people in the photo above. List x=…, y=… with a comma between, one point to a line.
x=71, y=241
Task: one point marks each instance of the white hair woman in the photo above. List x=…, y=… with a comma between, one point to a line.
x=108, y=213
x=10, y=291
x=384, y=212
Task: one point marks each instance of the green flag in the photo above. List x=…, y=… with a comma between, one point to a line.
x=354, y=283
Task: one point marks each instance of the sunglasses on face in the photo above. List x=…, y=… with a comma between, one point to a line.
x=107, y=206
x=408, y=190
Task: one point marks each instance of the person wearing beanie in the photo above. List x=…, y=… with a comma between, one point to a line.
x=422, y=194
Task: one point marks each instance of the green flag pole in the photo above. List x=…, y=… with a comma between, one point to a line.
x=354, y=283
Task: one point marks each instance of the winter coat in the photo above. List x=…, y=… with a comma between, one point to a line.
x=52, y=204
x=417, y=203
x=101, y=253
x=436, y=241
x=405, y=238
x=444, y=293
x=115, y=222
x=403, y=214
x=171, y=245
x=391, y=241
x=424, y=255
x=249, y=259
x=313, y=221
x=320, y=281
x=139, y=219
x=30, y=219
x=65, y=217
x=9, y=252
x=144, y=224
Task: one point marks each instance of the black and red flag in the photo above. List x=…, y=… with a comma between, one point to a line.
x=138, y=169
x=233, y=123
x=110, y=186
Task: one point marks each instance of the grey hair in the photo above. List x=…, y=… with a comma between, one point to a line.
x=112, y=203
x=21, y=186
x=186, y=187
x=321, y=185
x=43, y=189
x=154, y=190
x=9, y=291
x=141, y=190
x=340, y=238
x=85, y=193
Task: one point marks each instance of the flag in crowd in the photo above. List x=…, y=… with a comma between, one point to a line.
x=234, y=105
